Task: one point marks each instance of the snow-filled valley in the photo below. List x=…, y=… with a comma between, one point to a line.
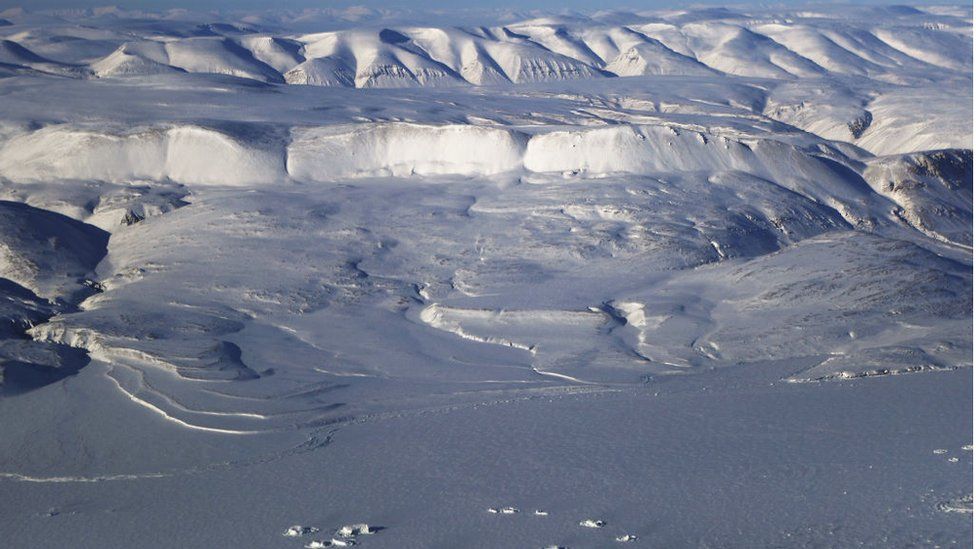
x=486, y=279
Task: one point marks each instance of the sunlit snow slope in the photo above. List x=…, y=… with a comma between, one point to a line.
x=269, y=226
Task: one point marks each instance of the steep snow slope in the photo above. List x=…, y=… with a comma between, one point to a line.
x=135, y=58
x=741, y=51
x=47, y=264
x=947, y=49
x=67, y=42
x=933, y=189
x=338, y=152
x=278, y=53
x=187, y=154
x=653, y=57
x=16, y=56
x=901, y=128
x=48, y=253
x=433, y=57
x=883, y=123
x=220, y=56
x=322, y=71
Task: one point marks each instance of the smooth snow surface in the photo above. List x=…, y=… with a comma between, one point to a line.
x=334, y=277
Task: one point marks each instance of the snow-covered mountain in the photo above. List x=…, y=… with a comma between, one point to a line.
x=884, y=44
x=628, y=269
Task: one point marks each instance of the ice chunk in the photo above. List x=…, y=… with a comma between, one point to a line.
x=298, y=531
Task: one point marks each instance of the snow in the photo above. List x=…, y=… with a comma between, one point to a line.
x=186, y=154
x=535, y=50
x=662, y=277
x=931, y=189
x=218, y=56
x=401, y=149
x=653, y=57
x=353, y=530
x=299, y=530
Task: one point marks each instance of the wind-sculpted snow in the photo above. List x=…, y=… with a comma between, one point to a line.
x=338, y=152
x=399, y=149
x=185, y=154
x=865, y=329
x=601, y=267
x=201, y=156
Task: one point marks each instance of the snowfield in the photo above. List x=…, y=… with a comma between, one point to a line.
x=683, y=278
